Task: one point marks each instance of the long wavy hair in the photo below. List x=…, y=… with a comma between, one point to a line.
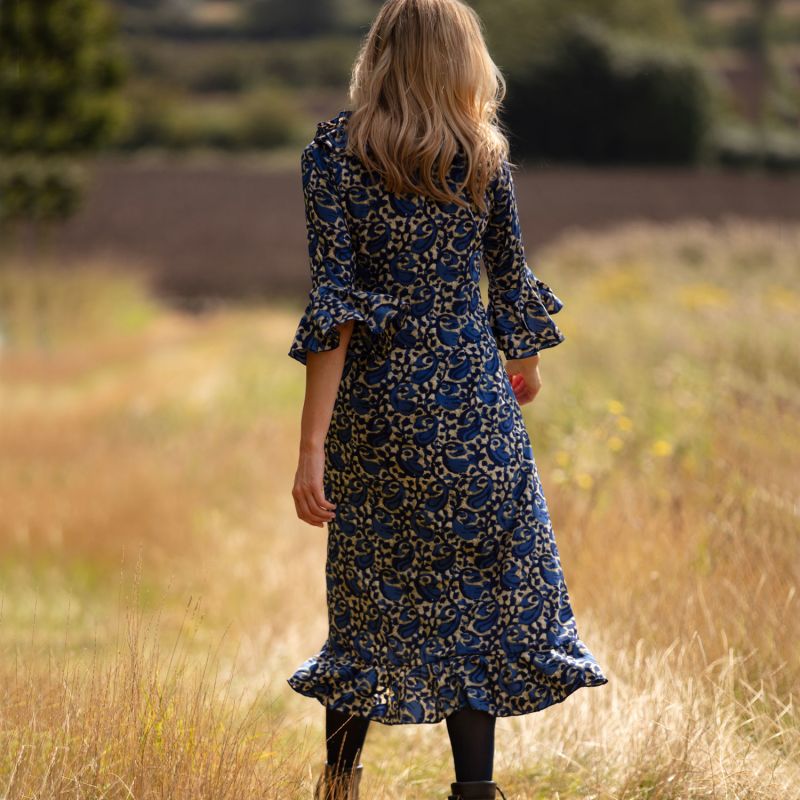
x=423, y=88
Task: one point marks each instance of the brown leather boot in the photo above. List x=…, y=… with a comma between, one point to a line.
x=475, y=790
x=335, y=784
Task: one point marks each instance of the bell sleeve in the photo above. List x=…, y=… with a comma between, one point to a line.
x=334, y=297
x=520, y=304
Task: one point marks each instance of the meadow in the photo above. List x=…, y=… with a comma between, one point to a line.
x=156, y=587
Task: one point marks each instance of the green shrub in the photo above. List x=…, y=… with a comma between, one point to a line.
x=599, y=97
x=269, y=117
x=519, y=31
x=221, y=76
x=42, y=190
x=325, y=61
x=264, y=117
x=193, y=124
x=742, y=146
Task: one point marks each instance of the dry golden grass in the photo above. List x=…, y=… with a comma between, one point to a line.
x=153, y=461
x=144, y=723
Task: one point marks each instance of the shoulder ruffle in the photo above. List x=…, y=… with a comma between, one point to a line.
x=332, y=133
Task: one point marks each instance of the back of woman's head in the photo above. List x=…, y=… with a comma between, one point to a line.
x=423, y=88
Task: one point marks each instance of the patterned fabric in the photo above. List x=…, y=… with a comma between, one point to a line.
x=444, y=582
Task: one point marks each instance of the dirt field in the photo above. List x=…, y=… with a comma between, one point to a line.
x=230, y=229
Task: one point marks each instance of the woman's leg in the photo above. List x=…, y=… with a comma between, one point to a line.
x=344, y=738
x=472, y=739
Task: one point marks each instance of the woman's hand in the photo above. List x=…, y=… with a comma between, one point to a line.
x=309, y=497
x=525, y=378
x=323, y=373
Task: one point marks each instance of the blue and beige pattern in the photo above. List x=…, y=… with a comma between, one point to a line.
x=444, y=581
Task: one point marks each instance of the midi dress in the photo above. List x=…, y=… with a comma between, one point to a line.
x=444, y=583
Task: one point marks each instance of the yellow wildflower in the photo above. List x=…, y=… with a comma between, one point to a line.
x=562, y=458
x=615, y=407
x=661, y=447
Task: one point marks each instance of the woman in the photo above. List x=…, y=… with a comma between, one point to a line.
x=446, y=598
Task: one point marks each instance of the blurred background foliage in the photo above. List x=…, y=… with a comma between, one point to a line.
x=232, y=73
x=590, y=81
x=216, y=53
x=726, y=74
x=682, y=83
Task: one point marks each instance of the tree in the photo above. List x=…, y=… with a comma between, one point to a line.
x=60, y=73
x=59, y=80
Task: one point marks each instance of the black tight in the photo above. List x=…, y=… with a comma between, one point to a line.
x=471, y=735
x=344, y=738
x=472, y=740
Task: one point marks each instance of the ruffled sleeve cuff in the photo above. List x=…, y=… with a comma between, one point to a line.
x=521, y=321
x=329, y=306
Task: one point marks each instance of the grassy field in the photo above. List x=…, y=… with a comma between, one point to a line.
x=156, y=588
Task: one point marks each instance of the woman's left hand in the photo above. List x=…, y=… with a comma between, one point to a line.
x=525, y=378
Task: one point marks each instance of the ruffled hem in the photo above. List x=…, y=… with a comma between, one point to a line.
x=329, y=306
x=427, y=693
x=522, y=325
x=549, y=299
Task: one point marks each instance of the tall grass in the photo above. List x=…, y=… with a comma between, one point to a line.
x=666, y=438
x=145, y=723
x=44, y=306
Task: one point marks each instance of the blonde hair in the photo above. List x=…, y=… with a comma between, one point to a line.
x=424, y=86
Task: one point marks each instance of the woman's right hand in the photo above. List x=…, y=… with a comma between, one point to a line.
x=525, y=378
x=309, y=497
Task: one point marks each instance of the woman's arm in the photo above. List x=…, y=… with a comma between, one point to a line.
x=520, y=304
x=335, y=304
x=323, y=374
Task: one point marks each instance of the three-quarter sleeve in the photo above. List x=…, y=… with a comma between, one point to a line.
x=520, y=304
x=334, y=297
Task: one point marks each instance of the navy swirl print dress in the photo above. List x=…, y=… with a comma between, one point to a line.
x=444, y=582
